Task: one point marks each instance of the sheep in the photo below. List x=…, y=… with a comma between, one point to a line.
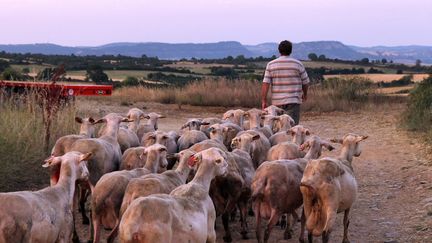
x=155, y=184
x=328, y=187
x=187, y=214
x=274, y=110
x=127, y=137
x=296, y=133
x=283, y=123
x=287, y=150
x=151, y=126
x=109, y=191
x=234, y=116
x=254, y=143
x=132, y=159
x=269, y=123
x=244, y=167
x=189, y=138
x=210, y=121
x=194, y=124
x=45, y=215
x=106, y=153
x=224, y=133
x=276, y=188
x=63, y=144
x=255, y=116
x=167, y=139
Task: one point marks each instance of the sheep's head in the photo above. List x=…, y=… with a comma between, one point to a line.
x=255, y=117
x=155, y=156
x=209, y=159
x=234, y=116
x=244, y=142
x=285, y=122
x=131, y=159
x=298, y=134
x=72, y=161
x=351, y=143
x=136, y=115
x=270, y=121
x=153, y=119
x=314, y=145
x=194, y=124
x=113, y=118
x=87, y=127
x=274, y=110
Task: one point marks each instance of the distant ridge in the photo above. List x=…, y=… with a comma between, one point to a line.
x=331, y=49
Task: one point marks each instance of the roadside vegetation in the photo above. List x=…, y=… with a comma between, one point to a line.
x=22, y=146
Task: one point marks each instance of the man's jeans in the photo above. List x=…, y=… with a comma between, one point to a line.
x=292, y=110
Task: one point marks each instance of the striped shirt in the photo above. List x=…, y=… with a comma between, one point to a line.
x=286, y=76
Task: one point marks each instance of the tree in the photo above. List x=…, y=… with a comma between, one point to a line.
x=312, y=56
x=399, y=71
x=418, y=63
x=3, y=65
x=96, y=74
x=384, y=61
x=130, y=81
x=11, y=74
x=322, y=57
x=365, y=60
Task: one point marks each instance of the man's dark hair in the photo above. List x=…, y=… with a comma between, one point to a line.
x=285, y=48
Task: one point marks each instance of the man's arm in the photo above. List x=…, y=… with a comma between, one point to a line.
x=264, y=91
x=305, y=88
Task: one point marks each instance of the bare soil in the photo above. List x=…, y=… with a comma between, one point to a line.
x=394, y=203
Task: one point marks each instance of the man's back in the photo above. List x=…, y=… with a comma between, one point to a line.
x=286, y=76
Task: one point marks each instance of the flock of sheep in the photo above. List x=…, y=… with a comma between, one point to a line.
x=148, y=185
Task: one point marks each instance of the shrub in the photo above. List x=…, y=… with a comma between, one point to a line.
x=418, y=115
x=131, y=81
x=22, y=141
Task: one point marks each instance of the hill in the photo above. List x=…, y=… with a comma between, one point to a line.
x=331, y=49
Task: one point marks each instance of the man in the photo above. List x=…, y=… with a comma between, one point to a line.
x=288, y=80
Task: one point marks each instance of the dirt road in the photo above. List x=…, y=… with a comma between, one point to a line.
x=394, y=203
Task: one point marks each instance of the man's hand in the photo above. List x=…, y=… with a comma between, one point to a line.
x=263, y=104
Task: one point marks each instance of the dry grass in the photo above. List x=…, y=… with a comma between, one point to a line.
x=341, y=95
x=22, y=141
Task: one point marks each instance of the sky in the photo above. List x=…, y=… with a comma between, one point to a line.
x=97, y=22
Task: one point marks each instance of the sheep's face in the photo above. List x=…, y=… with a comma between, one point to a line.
x=234, y=116
x=254, y=116
x=352, y=141
x=314, y=146
x=298, y=134
x=153, y=119
x=87, y=126
x=156, y=153
x=244, y=142
x=274, y=110
x=210, y=158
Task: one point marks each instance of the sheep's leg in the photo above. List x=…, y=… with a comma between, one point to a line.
x=84, y=193
x=310, y=237
x=346, y=224
x=256, y=209
x=302, y=227
x=225, y=221
x=325, y=236
x=114, y=232
x=96, y=228
x=243, y=219
x=288, y=231
x=273, y=220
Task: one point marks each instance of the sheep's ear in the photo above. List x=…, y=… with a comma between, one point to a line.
x=85, y=157
x=290, y=132
x=307, y=132
x=161, y=116
x=327, y=145
x=175, y=156
x=102, y=120
x=210, y=129
x=205, y=123
x=162, y=149
x=245, y=114
x=265, y=112
x=361, y=138
x=292, y=122
x=91, y=120
x=143, y=154
x=50, y=161
x=127, y=119
x=185, y=125
x=336, y=140
x=228, y=129
x=142, y=116
x=78, y=119
x=304, y=146
x=194, y=160
x=256, y=137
